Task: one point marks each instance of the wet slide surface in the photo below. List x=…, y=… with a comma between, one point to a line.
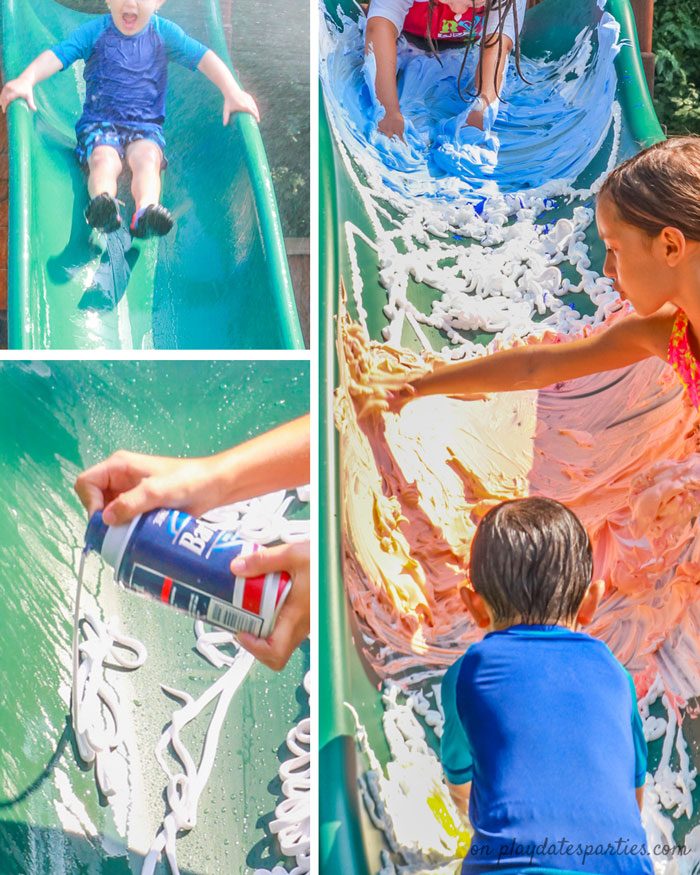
x=52, y=819
x=424, y=242
x=206, y=284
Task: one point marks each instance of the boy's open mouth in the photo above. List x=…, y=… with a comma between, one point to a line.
x=129, y=19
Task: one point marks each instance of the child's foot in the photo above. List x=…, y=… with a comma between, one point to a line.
x=103, y=214
x=151, y=221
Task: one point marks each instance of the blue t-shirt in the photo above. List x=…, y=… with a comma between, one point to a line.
x=127, y=76
x=544, y=723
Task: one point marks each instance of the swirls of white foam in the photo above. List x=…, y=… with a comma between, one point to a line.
x=408, y=800
x=97, y=714
x=667, y=787
x=292, y=823
x=261, y=520
x=185, y=787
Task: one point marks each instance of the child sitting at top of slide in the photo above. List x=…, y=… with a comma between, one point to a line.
x=453, y=22
x=126, y=54
x=542, y=742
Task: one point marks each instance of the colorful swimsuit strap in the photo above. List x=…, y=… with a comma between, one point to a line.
x=681, y=358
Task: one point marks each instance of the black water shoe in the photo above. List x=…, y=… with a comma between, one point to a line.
x=151, y=221
x=103, y=213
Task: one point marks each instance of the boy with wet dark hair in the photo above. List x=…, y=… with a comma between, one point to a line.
x=543, y=743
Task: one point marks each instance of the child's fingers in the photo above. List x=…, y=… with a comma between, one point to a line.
x=10, y=94
x=279, y=558
x=274, y=652
x=254, y=111
x=227, y=114
x=90, y=495
x=250, y=108
x=92, y=485
x=261, y=648
x=150, y=493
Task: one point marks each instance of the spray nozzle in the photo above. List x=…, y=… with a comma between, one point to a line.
x=95, y=533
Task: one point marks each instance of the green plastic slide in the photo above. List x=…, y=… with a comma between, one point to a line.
x=219, y=280
x=349, y=843
x=66, y=416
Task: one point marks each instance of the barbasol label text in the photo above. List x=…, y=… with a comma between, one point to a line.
x=197, y=538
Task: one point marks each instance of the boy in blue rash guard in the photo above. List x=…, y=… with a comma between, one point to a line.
x=543, y=743
x=126, y=54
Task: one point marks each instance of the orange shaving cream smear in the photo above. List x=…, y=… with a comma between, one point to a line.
x=619, y=448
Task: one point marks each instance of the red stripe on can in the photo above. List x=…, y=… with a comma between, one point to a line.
x=165, y=591
x=252, y=593
x=284, y=580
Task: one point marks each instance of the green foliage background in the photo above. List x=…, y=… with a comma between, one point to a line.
x=677, y=48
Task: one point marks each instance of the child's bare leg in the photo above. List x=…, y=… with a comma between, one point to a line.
x=151, y=219
x=489, y=74
x=102, y=211
x=145, y=160
x=105, y=165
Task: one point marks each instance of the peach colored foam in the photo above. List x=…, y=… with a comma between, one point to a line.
x=619, y=448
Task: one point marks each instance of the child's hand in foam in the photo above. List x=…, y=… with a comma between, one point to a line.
x=397, y=400
x=392, y=125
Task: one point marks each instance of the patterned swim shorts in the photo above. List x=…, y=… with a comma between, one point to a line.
x=118, y=136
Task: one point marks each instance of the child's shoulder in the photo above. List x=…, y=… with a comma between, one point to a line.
x=452, y=672
x=167, y=26
x=81, y=42
x=517, y=638
x=467, y=661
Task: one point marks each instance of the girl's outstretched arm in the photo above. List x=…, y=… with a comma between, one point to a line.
x=532, y=367
x=380, y=38
x=42, y=67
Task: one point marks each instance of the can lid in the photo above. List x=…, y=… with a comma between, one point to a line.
x=109, y=541
x=115, y=542
x=95, y=532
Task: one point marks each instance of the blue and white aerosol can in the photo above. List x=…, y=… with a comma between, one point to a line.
x=183, y=561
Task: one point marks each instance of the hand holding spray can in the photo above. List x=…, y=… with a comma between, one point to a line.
x=177, y=559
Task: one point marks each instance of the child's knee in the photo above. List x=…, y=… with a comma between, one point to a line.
x=145, y=155
x=104, y=158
